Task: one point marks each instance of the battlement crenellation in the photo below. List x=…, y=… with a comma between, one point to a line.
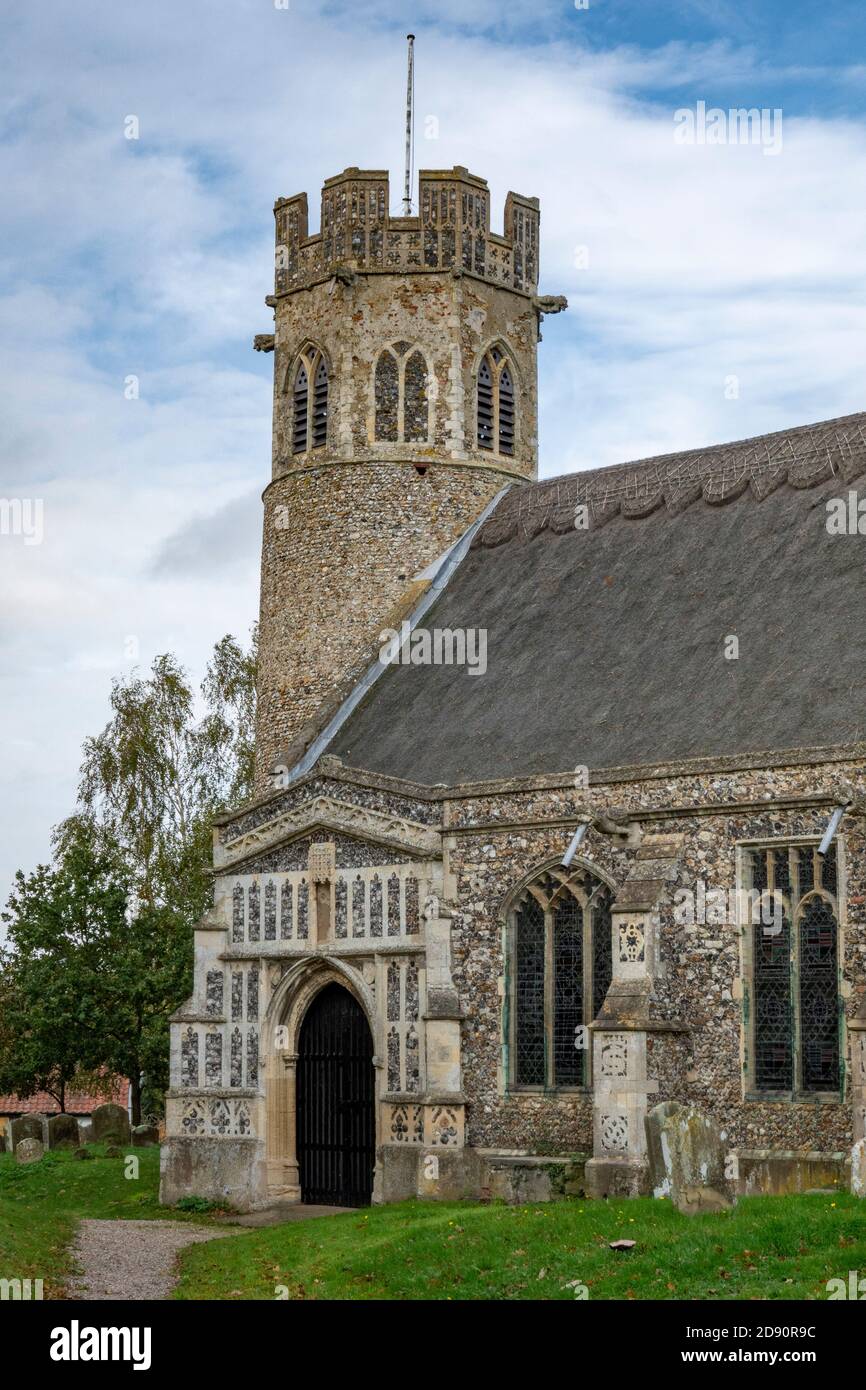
x=450, y=232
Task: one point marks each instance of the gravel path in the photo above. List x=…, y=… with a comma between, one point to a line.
x=131, y=1259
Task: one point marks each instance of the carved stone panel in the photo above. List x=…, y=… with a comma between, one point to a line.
x=632, y=942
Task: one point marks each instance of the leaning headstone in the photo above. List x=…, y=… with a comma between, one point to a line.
x=27, y=1127
x=145, y=1136
x=29, y=1150
x=858, y=1168
x=110, y=1125
x=62, y=1132
x=687, y=1159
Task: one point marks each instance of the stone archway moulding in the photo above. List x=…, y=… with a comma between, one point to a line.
x=288, y=1006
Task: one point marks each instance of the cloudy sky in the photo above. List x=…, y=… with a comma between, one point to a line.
x=686, y=266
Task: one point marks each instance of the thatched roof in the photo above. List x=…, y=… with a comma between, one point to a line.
x=606, y=645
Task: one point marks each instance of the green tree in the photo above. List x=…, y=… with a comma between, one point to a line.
x=58, y=921
x=156, y=773
x=99, y=952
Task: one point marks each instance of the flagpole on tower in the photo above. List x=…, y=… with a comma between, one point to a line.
x=410, y=123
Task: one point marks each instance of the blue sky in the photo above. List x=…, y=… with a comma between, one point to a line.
x=685, y=267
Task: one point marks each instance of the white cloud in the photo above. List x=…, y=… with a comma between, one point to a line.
x=153, y=257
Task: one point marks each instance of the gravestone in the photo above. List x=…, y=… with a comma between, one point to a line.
x=29, y=1150
x=110, y=1125
x=858, y=1168
x=62, y=1132
x=145, y=1136
x=687, y=1159
x=26, y=1127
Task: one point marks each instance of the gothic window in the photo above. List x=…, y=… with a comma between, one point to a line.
x=402, y=397
x=793, y=936
x=309, y=387
x=560, y=967
x=496, y=408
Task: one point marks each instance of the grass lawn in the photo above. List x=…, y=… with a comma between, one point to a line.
x=41, y=1202
x=768, y=1248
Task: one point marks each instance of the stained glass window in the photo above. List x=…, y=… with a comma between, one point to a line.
x=529, y=989
x=795, y=971
x=560, y=972
x=567, y=991
x=774, y=1056
x=819, y=1005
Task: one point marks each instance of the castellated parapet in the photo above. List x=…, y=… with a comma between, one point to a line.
x=384, y=460
x=451, y=231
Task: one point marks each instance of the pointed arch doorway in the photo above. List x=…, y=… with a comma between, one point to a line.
x=336, y=1131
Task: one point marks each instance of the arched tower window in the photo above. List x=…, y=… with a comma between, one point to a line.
x=402, y=395
x=496, y=407
x=309, y=401
x=559, y=970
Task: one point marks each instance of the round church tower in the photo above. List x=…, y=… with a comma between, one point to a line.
x=404, y=399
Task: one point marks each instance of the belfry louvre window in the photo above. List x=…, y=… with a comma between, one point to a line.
x=402, y=398
x=560, y=967
x=794, y=941
x=496, y=403
x=309, y=401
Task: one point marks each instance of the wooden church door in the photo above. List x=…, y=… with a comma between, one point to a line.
x=335, y=1102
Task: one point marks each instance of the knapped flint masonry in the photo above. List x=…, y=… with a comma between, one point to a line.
x=401, y=989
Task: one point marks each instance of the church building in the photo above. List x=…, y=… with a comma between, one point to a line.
x=560, y=807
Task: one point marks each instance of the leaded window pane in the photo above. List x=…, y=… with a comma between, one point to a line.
x=782, y=871
x=796, y=992
x=529, y=995
x=759, y=869
x=806, y=869
x=559, y=976
x=829, y=873
x=567, y=991
x=774, y=1053
x=819, y=996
